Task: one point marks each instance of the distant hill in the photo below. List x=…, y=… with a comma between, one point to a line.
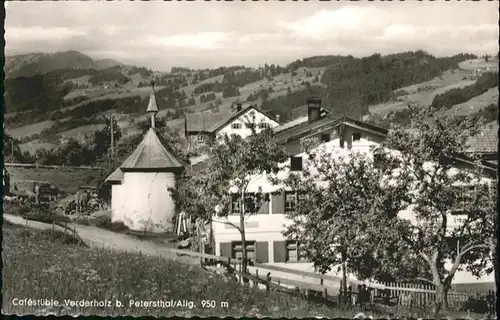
x=106, y=63
x=28, y=65
x=69, y=100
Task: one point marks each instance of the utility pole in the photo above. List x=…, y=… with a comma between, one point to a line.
x=112, y=136
x=12, y=147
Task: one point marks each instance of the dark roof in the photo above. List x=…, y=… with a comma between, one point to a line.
x=305, y=128
x=486, y=141
x=296, y=122
x=151, y=153
x=211, y=122
x=326, y=122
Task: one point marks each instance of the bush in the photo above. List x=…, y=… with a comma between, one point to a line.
x=475, y=305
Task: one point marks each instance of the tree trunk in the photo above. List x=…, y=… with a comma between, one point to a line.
x=438, y=302
x=446, y=289
x=242, y=231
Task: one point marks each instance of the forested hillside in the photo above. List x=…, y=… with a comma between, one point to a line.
x=455, y=96
x=353, y=84
x=28, y=65
x=45, y=109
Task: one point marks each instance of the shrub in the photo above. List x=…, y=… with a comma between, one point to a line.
x=475, y=305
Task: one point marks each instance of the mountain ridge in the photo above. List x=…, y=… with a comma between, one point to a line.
x=31, y=64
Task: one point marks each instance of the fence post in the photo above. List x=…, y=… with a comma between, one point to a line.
x=239, y=276
x=325, y=293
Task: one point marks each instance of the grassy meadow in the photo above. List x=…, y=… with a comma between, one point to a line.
x=51, y=265
x=46, y=264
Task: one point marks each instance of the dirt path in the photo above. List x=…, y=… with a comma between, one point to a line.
x=101, y=238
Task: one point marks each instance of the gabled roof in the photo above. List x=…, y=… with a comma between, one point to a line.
x=296, y=122
x=211, y=122
x=151, y=154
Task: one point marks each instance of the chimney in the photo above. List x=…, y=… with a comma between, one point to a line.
x=238, y=107
x=313, y=109
x=278, y=118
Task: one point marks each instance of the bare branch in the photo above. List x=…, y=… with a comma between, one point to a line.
x=468, y=247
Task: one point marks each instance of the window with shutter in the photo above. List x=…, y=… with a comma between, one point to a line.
x=294, y=251
x=262, y=252
x=296, y=163
x=225, y=249
x=278, y=203
x=290, y=201
x=249, y=202
x=264, y=205
x=235, y=205
x=237, y=250
x=279, y=251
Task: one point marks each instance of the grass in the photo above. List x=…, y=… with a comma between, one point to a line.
x=28, y=130
x=477, y=103
x=423, y=93
x=32, y=146
x=66, y=180
x=48, y=265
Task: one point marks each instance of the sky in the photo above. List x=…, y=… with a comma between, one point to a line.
x=200, y=34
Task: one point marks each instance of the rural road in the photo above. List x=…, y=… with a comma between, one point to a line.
x=100, y=238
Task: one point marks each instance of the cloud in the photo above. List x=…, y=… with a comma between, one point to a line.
x=203, y=34
x=330, y=23
x=202, y=40
x=41, y=34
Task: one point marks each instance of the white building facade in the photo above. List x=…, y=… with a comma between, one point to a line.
x=264, y=230
x=140, y=195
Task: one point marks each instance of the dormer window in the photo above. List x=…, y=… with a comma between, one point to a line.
x=200, y=138
x=236, y=125
x=356, y=136
x=296, y=163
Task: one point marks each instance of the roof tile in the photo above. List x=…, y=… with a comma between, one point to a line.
x=151, y=154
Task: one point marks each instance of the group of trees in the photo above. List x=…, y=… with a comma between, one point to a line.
x=353, y=216
x=90, y=150
x=207, y=97
x=145, y=72
x=360, y=207
x=230, y=91
x=456, y=96
x=262, y=94
x=109, y=74
x=285, y=105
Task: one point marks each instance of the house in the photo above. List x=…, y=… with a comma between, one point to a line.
x=485, y=144
x=139, y=187
x=200, y=127
x=265, y=241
